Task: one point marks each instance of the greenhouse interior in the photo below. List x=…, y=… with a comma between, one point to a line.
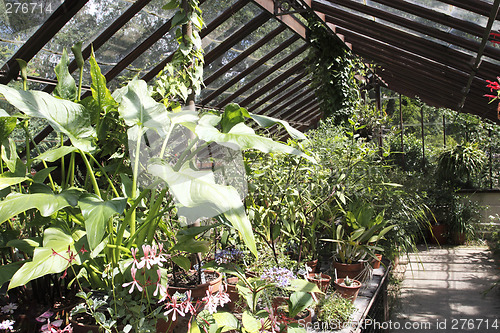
x=249, y=166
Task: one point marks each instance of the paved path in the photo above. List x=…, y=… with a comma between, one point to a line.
x=443, y=291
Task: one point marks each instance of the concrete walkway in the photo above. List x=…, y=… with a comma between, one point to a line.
x=444, y=291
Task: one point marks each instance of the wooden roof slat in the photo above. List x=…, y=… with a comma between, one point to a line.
x=250, y=69
x=265, y=74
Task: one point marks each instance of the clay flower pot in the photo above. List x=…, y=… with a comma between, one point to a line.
x=199, y=291
x=351, y=270
x=349, y=292
x=376, y=263
x=313, y=264
x=323, y=281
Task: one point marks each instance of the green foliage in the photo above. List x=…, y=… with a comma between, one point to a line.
x=335, y=309
x=458, y=164
x=333, y=68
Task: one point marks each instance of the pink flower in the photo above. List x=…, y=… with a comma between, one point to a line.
x=176, y=308
x=134, y=283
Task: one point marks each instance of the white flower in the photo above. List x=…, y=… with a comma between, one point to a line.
x=9, y=308
x=7, y=325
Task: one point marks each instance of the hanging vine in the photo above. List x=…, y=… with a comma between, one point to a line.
x=333, y=69
x=183, y=76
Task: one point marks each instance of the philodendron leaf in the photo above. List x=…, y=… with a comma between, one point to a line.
x=46, y=203
x=64, y=116
x=197, y=195
x=138, y=108
x=265, y=121
x=4, y=113
x=190, y=245
x=53, y=155
x=45, y=260
x=242, y=137
x=7, y=125
x=100, y=92
x=233, y=114
x=182, y=262
x=299, y=301
x=303, y=286
x=96, y=213
x=26, y=245
x=226, y=320
x=8, y=270
x=9, y=181
x=250, y=323
x=66, y=87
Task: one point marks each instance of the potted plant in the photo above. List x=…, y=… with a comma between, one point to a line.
x=348, y=288
x=356, y=239
x=335, y=310
x=321, y=280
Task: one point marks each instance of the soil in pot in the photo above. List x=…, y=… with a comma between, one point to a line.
x=349, y=292
x=189, y=281
x=352, y=270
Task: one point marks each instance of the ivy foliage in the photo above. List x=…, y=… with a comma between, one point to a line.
x=333, y=68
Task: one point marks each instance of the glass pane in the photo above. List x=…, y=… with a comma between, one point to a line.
x=87, y=24
x=19, y=20
x=231, y=25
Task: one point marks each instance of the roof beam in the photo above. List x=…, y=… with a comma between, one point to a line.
x=243, y=55
x=288, y=20
x=475, y=6
x=282, y=89
x=446, y=37
x=265, y=74
x=237, y=37
x=296, y=69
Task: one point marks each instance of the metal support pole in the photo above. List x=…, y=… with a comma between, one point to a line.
x=401, y=127
x=423, y=137
x=444, y=130
x=378, y=105
x=491, y=159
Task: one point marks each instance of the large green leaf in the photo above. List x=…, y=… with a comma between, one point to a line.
x=26, y=245
x=8, y=270
x=198, y=195
x=4, y=113
x=66, y=87
x=233, y=114
x=7, y=125
x=45, y=261
x=138, y=108
x=64, y=116
x=250, y=323
x=190, y=245
x=9, y=181
x=11, y=159
x=96, y=213
x=241, y=137
x=46, y=203
x=265, y=121
x=226, y=320
x=53, y=155
x=100, y=92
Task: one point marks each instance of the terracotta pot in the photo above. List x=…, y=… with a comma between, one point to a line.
x=438, y=235
x=199, y=291
x=323, y=282
x=234, y=296
x=349, y=292
x=459, y=238
x=376, y=263
x=352, y=270
x=313, y=264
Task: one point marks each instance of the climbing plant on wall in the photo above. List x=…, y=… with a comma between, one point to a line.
x=333, y=68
